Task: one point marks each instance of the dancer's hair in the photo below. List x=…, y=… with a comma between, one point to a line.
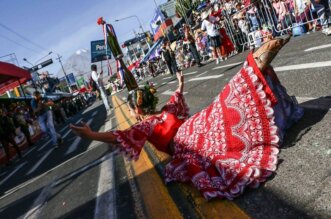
x=143, y=98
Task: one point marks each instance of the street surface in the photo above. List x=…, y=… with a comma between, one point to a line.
x=86, y=179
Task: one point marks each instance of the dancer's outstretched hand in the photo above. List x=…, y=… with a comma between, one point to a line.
x=82, y=131
x=180, y=78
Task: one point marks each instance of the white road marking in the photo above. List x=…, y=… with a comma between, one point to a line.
x=229, y=65
x=109, y=124
x=39, y=162
x=74, y=145
x=106, y=197
x=170, y=93
x=203, y=73
x=304, y=99
x=206, y=78
x=44, y=145
x=167, y=78
x=27, y=153
x=318, y=47
x=190, y=73
x=320, y=103
x=38, y=204
x=13, y=172
x=303, y=66
x=22, y=185
x=172, y=82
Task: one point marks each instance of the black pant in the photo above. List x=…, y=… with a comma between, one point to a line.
x=172, y=66
x=5, y=140
x=26, y=132
x=195, y=53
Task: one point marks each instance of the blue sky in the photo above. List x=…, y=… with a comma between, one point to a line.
x=64, y=26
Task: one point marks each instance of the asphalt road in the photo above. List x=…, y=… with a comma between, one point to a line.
x=85, y=179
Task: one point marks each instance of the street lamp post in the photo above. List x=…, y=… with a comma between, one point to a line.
x=65, y=74
x=43, y=57
x=141, y=26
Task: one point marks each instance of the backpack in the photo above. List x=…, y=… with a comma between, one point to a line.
x=93, y=84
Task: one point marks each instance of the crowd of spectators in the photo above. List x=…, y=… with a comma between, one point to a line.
x=220, y=29
x=19, y=125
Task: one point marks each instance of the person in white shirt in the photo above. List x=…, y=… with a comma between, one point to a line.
x=97, y=77
x=208, y=25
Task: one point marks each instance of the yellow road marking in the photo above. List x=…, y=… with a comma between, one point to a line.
x=157, y=201
x=213, y=209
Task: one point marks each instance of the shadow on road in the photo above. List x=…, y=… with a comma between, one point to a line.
x=314, y=112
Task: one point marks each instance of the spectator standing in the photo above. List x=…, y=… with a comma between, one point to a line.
x=98, y=80
x=41, y=108
x=7, y=133
x=209, y=25
x=168, y=57
x=190, y=41
x=23, y=125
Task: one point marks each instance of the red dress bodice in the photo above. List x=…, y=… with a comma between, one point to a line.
x=165, y=131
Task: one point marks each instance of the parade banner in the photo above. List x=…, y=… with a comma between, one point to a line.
x=99, y=52
x=157, y=20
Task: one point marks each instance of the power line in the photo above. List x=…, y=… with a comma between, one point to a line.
x=21, y=36
x=19, y=44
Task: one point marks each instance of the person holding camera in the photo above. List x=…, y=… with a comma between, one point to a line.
x=42, y=109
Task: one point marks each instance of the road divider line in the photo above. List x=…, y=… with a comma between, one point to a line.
x=229, y=65
x=22, y=185
x=167, y=78
x=39, y=203
x=145, y=173
x=190, y=73
x=303, y=66
x=39, y=162
x=318, y=47
x=203, y=73
x=170, y=93
x=206, y=78
x=13, y=172
x=75, y=144
x=106, y=196
x=44, y=145
x=317, y=103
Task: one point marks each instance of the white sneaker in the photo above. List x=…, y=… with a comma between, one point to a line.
x=217, y=61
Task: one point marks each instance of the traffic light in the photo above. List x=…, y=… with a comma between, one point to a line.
x=41, y=65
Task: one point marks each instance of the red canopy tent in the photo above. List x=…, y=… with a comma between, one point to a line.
x=12, y=76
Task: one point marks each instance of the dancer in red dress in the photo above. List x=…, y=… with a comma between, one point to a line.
x=227, y=43
x=228, y=146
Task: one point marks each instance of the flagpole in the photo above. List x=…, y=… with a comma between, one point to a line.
x=112, y=42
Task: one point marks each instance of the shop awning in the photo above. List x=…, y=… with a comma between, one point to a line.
x=12, y=76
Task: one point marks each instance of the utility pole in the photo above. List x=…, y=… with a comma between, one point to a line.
x=65, y=74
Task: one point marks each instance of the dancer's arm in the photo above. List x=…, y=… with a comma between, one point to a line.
x=180, y=78
x=86, y=132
